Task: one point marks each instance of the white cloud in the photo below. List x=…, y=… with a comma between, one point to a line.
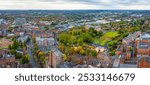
x=74, y=4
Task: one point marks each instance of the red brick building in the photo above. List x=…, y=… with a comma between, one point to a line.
x=54, y=59
x=143, y=50
x=143, y=47
x=144, y=62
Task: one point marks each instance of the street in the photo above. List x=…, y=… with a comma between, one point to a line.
x=29, y=47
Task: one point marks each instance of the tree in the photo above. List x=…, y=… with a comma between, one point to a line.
x=133, y=29
x=82, y=52
x=80, y=48
x=71, y=50
x=20, y=44
x=86, y=37
x=35, y=58
x=64, y=57
x=18, y=56
x=93, y=53
x=120, y=31
x=10, y=29
x=9, y=47
x=112, y=43
x=35, y=47
x=24, y=44
x=13, y=52
x=67, y=39
x=91, y=30
x=130, y=48
x=47, y=27
x=42, y=57
x=25, y=59
x=40, y=54
x=72, y=40
x=100, y=33
x=62, y=48
x=28, y=39
x=83, y=29
x=125, y=35
x=34, y=40
x=80, y=41
x=111, y=53
x=15, y=44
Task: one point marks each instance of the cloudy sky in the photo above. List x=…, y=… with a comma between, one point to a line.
x=74, y=4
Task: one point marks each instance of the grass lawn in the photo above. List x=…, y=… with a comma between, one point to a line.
x=107, y=37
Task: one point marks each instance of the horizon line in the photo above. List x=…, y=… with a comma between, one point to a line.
x=70, y=9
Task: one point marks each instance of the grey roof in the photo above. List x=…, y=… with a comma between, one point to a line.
x=81, y=66
x=139, y=57
x=147, y=59
x=45, y=48
x=145, y=36
x=22, y=38
x=144, y=45
x=127, y=66
x=116, y=63
x=58, y=53
x=132, y=36
x=40, y=40
x=50, y=48
x=8, y=56
x=66, y=65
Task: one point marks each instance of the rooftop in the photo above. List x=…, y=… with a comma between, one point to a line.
x=8, y=56
x=147, y=59
x=57, y=53
x=116, y=63
x=22, y=38
x=144, y=45
x=145, y=36
x=45, y=41
x=128, y=66
x=132, y=36
x=45, y=48
x=4, y=43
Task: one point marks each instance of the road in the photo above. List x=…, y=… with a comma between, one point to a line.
x=55, y=38
x=29, y=47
